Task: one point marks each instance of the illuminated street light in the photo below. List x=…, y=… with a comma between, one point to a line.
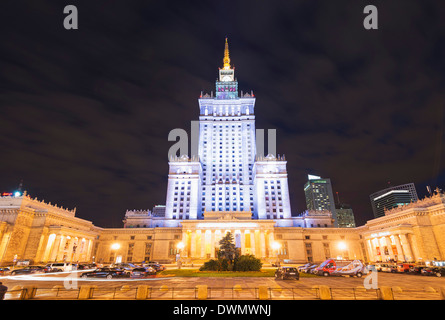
x=342, y=246
x=276, y=246
x=179, y=246
x=114, y=248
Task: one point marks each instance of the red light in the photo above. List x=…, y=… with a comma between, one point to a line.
x=4, y=194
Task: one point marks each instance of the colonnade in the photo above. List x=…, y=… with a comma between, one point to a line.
x=396, y=247
x=60, y=247
x=202, y=243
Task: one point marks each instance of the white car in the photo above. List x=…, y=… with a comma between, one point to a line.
x=59, y=266
x=388, y=268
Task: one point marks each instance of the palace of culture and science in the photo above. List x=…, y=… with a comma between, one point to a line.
x=228, y=186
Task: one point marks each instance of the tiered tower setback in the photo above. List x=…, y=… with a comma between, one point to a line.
x=227, y=175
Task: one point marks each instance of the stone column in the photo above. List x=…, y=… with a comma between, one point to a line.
x=243, y=242
x=262, y=244
x=252, y=241
x=272, y=252
x=48, y=249
x=383, y=244
x=414, y=247
x=203, y=244
x=42, y=245
x=406, y=247
x=212, y=244
x=184, y=241
x=370, y=250
x=377, y=256
x=400, y=253
x=55, y=249
x=69, y=253
x=62, y=248
x=389, y=246
x=89, y=250
x=193, y=244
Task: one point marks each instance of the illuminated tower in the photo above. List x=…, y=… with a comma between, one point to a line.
x=227, y=144
x=227, y=175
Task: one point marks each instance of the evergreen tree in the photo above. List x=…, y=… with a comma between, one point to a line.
x=227, y=249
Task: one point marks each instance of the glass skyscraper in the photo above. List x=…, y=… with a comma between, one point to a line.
x=319, y=196
x=392, y=197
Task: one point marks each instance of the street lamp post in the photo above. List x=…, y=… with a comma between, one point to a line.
x=114, y=248
x=276, y=246
x=343, y=247
x=179, y=246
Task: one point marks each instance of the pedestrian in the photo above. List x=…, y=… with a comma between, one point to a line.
x=3, y=290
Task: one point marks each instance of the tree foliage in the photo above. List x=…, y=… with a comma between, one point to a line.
x=227, y=249
x=229, y=258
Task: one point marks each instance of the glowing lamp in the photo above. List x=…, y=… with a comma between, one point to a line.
x=276, y=246
x=180, y=246
x=342, y=246
x=115, y=246
x=17, y=194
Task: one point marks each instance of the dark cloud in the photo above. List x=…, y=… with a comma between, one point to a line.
x=85, y=114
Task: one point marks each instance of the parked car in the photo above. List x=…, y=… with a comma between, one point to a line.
x=404, y=267
x=106, y=273
x=142, y=272
x=303, y=267
x=4, y=271
x=128, y=267
x=390, y=268
x=287, y=273
x=313, y=268
x=427, y=271
x=340, y=268
x=355, y=269
x=439, y=272
x=433, y=271
x=386, y=267
x=156, y=266
x=417, y=269
x=310, y=268
x=59, y=267
x=378, y=266
x=30, y=270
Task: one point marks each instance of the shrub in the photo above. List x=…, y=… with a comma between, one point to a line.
x=241, y=263
x=247, y=263
x=211, y=265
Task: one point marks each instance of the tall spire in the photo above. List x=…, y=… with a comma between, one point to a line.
x=226, y=60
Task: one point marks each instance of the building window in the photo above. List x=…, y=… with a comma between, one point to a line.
x=130, y=252
x=147, y=253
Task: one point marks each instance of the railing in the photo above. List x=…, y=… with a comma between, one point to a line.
x=224, y=293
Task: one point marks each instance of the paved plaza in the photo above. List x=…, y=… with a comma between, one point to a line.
x=405, y=286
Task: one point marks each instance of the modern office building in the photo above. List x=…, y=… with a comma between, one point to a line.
x=345, y=216
x=319, y=196
x=392, y=197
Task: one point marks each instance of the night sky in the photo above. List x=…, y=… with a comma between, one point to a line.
x=85, y=114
